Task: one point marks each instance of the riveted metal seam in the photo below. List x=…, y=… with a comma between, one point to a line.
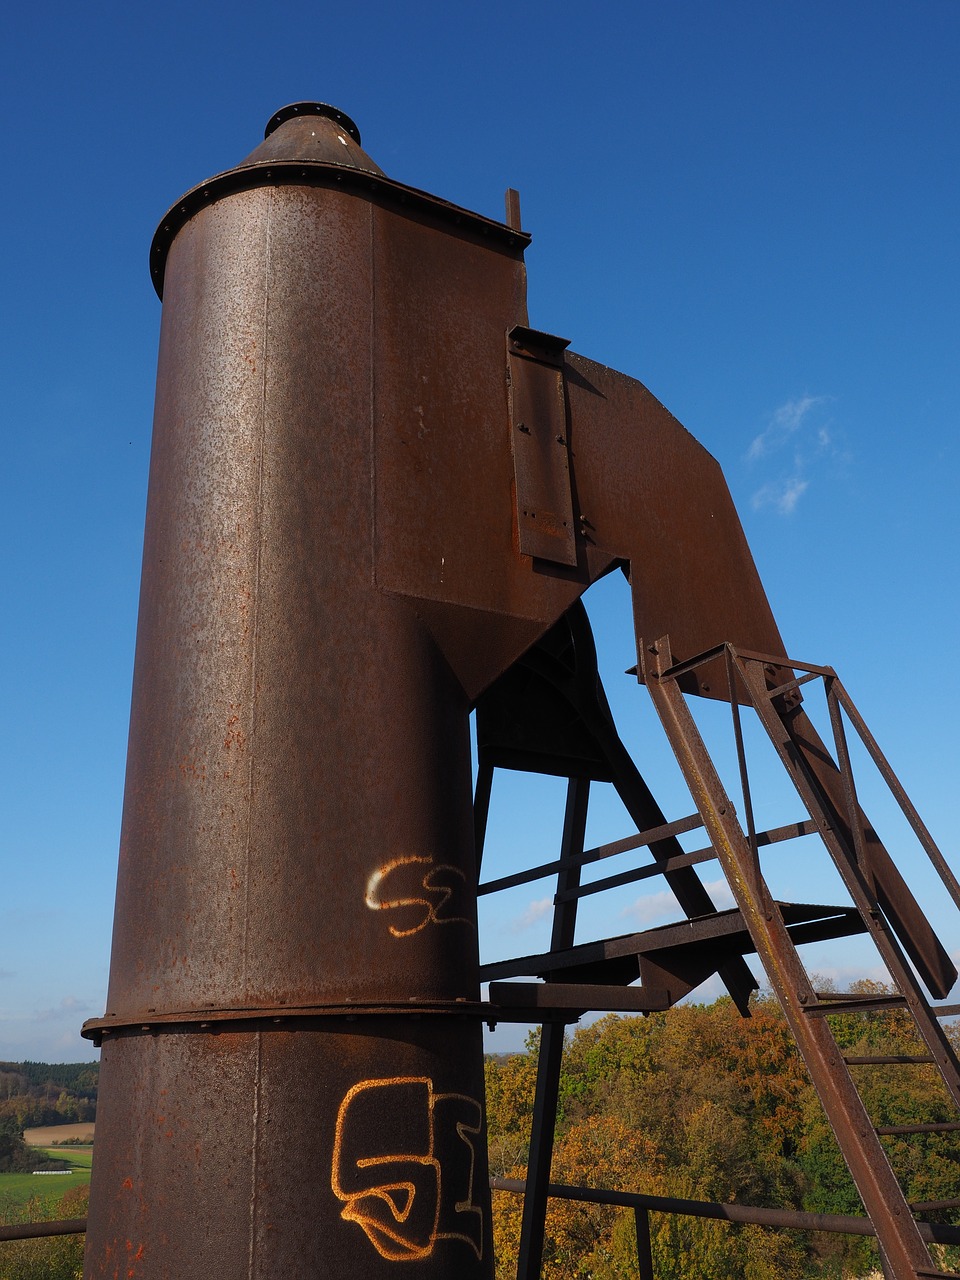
x=254, y=1161
x=255, y=605
x=372, y=383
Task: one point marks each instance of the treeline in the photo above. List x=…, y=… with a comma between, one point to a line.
x=41, y=1093
x=702, y=1104
x=78, y=1077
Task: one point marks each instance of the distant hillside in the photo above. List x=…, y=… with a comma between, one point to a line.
x=42, y=1093
x=68, y=1075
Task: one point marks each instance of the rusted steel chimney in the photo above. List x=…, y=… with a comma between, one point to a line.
x=373, y=488
x=292, y=1060
x=362, y=509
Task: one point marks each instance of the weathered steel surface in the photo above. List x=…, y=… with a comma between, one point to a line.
x=286, y=1152
x=541, y=453
x=373, y=489
x=298, y=822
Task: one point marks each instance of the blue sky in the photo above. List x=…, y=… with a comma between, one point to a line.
x=752, y=207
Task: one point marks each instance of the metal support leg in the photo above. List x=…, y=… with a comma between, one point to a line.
x=551, y=1046
x=644, y=1253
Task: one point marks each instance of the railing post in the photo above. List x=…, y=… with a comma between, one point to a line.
x=532, y=1227
x=644, y=1253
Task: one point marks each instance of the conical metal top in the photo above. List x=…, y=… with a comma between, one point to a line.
x=312, y=132
x=311, y=143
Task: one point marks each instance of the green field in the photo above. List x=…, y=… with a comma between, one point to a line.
x=16, y=1189
x=79, y=1157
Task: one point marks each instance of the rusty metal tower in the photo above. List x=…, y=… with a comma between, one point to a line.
x=376, y=498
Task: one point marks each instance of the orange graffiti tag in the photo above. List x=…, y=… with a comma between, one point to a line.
x=430, y=896
x=394, y=1184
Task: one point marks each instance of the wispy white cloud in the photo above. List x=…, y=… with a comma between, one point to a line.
x=652, y=908
x=721, y=894
x=783, y=495
x=69, y=1007
x=844, y=976
x=535, y=912
x=46, y=1035
x=795, y=440
x=658, y=908
x=784, y=423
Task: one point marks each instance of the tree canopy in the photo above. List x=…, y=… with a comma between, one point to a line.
x=702, y=1104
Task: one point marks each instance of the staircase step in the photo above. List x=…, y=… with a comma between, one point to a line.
x=889, y=1060
x=722, y=934
x=580, y=995
x=851, y=1002
x=948, y=1127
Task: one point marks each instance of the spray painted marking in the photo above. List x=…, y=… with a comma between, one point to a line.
x=432, y=909
x=403, y=1176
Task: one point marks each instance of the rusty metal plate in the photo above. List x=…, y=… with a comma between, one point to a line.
x=541, y=456
x=339, y=1152
x=443, y=484
x=650, y=494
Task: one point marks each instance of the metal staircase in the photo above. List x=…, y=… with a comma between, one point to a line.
x=885, y=906
x=549, y=715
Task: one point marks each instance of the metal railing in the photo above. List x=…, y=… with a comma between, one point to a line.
x=38, y=1230
x=790, y=1219
x=642, y=1206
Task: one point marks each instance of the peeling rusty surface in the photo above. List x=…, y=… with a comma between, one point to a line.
x=272, y=1154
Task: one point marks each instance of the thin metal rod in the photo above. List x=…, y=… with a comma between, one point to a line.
x=39, y=1230
x=742, y=759
x=793, y=684
x=766, y=659
x=785, y=1219
x=638, y=873
x=533, y=1224
x=889, y=1060
x=771, y=660
x=775, y=836
x=854, y=812
x=481, y=808
x=651, y=836
x=904, y=801
x=944, y=1127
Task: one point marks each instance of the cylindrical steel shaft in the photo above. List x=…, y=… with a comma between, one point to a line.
x=292, y=1065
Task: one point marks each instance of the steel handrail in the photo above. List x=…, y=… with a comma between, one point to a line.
x=794, y=1219
x=38, y=1230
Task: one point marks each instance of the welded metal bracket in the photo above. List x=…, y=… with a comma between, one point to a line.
x=541, y=452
